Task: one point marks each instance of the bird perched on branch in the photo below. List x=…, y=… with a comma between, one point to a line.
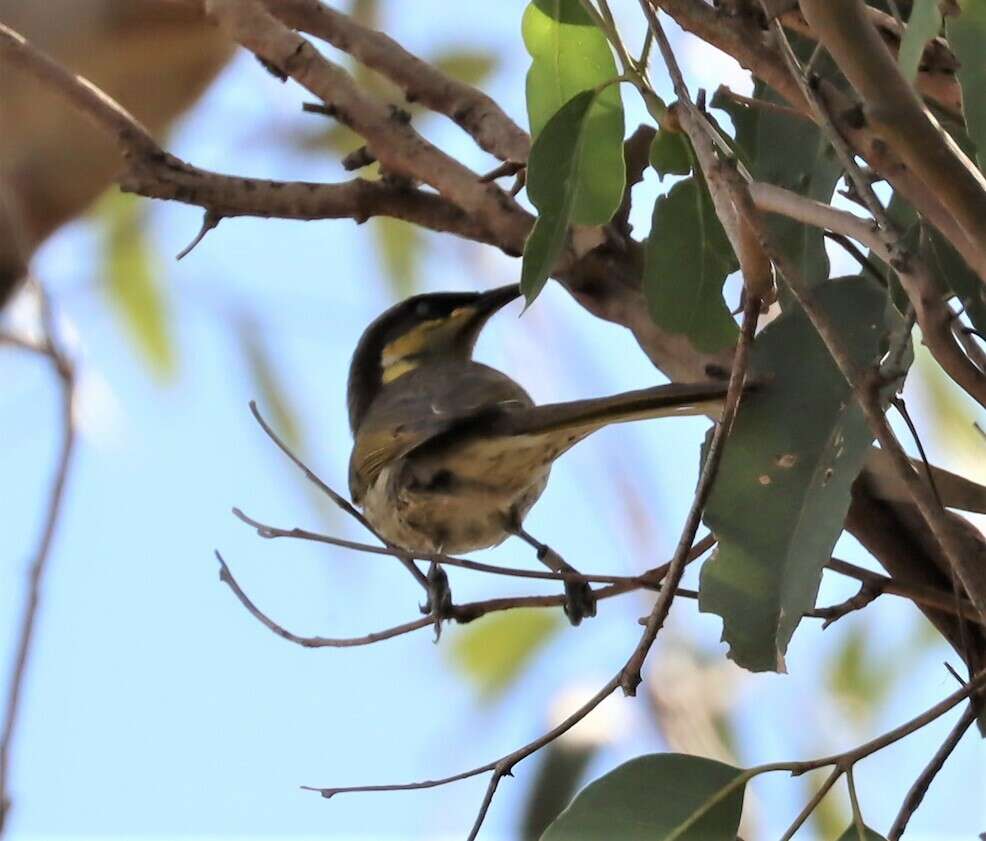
x=450, y=454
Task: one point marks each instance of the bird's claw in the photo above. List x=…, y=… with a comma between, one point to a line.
x=439, y=601
x=580, y=601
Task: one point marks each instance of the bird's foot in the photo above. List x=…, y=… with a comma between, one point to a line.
x=439, y=601
x=580, y=601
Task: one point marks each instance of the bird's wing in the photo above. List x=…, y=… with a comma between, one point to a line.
x=421, y=406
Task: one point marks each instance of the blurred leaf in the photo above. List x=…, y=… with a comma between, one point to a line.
x=129, y=279
x=576, y=174
x=562, y=766
x=274, y=402
x=687, y=259
x=855, y=833
x=790, y=152
x=570, y=55
x=652, y=797
x=400, y=246
x=494, y=652
x=923, y=25
x=782, y=490
x=831, y=814
x=470, y=66
x=859, y=676
x=967, y=38
x=669, y=154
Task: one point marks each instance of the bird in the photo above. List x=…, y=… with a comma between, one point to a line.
x=449, y=454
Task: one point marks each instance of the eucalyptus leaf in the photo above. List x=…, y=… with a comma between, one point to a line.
x=493, y=653
x=783, y=487
x=575, y=175
x=864, y=833
x=653, y=798
x=129, y=278
x=686, y=262
x=923, y=25
x=669, y=154
x=967, y=38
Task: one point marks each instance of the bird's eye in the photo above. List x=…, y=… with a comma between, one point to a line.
x=424, y=309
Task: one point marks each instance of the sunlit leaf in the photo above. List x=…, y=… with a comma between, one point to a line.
x=569, y=55
x=923, y=25
x=400, y=245
x=470, y=66
x=129, y=277
x=494, y=652
x=274, y=400
x=782, y=490
x=967, y=37
x=669, y=154
x=686, y=262
x=656, y=797
x=575, y=175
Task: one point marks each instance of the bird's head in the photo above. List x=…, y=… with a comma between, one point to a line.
x=436, y=326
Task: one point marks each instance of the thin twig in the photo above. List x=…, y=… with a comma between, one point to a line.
x=339, y=500
x=812, y=804
x=50, y=349
x=917, y=791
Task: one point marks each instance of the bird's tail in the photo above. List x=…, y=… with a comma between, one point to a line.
x=580, y=417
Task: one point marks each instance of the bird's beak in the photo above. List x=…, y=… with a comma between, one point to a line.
x=489, y=302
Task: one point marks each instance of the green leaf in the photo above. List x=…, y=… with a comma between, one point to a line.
x=494, y=652
x=400, y=245
x=923, y=25
x=575, y=175
x=570, y=55
x=686, y=261
x=129, y=278
x=560, y=771
x=669, y=154
x=855, y=833
x=653, y=798
x=470, y=66
x=967, y=38
x=783, y=487
x=274, y=400
x=790, y=152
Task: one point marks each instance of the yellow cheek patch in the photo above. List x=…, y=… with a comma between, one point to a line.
x=408, y=344
x=398, y=368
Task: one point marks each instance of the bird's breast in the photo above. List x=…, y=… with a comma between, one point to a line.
x=460, y=501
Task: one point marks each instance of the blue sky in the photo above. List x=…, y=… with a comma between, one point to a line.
x=156, y=707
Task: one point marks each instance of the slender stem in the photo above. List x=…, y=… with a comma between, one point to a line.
x=812, y=804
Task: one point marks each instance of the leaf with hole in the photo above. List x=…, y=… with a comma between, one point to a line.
x=686, y=261
x=783, y=487
x=658, y=797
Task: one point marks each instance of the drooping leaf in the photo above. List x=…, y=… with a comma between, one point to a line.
x=783, y=487
x=687, y=259
x=966, y=36
x=400, y=245
x=569, y=55
x=130, y=280
x=274, y=400
x=669, y=154
x=575, y=175
x=782, y=149
x=864, y=833
x=470, y=66
x=656, y=797
x=923, y=25
x=493, y=653
x=561, y=769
